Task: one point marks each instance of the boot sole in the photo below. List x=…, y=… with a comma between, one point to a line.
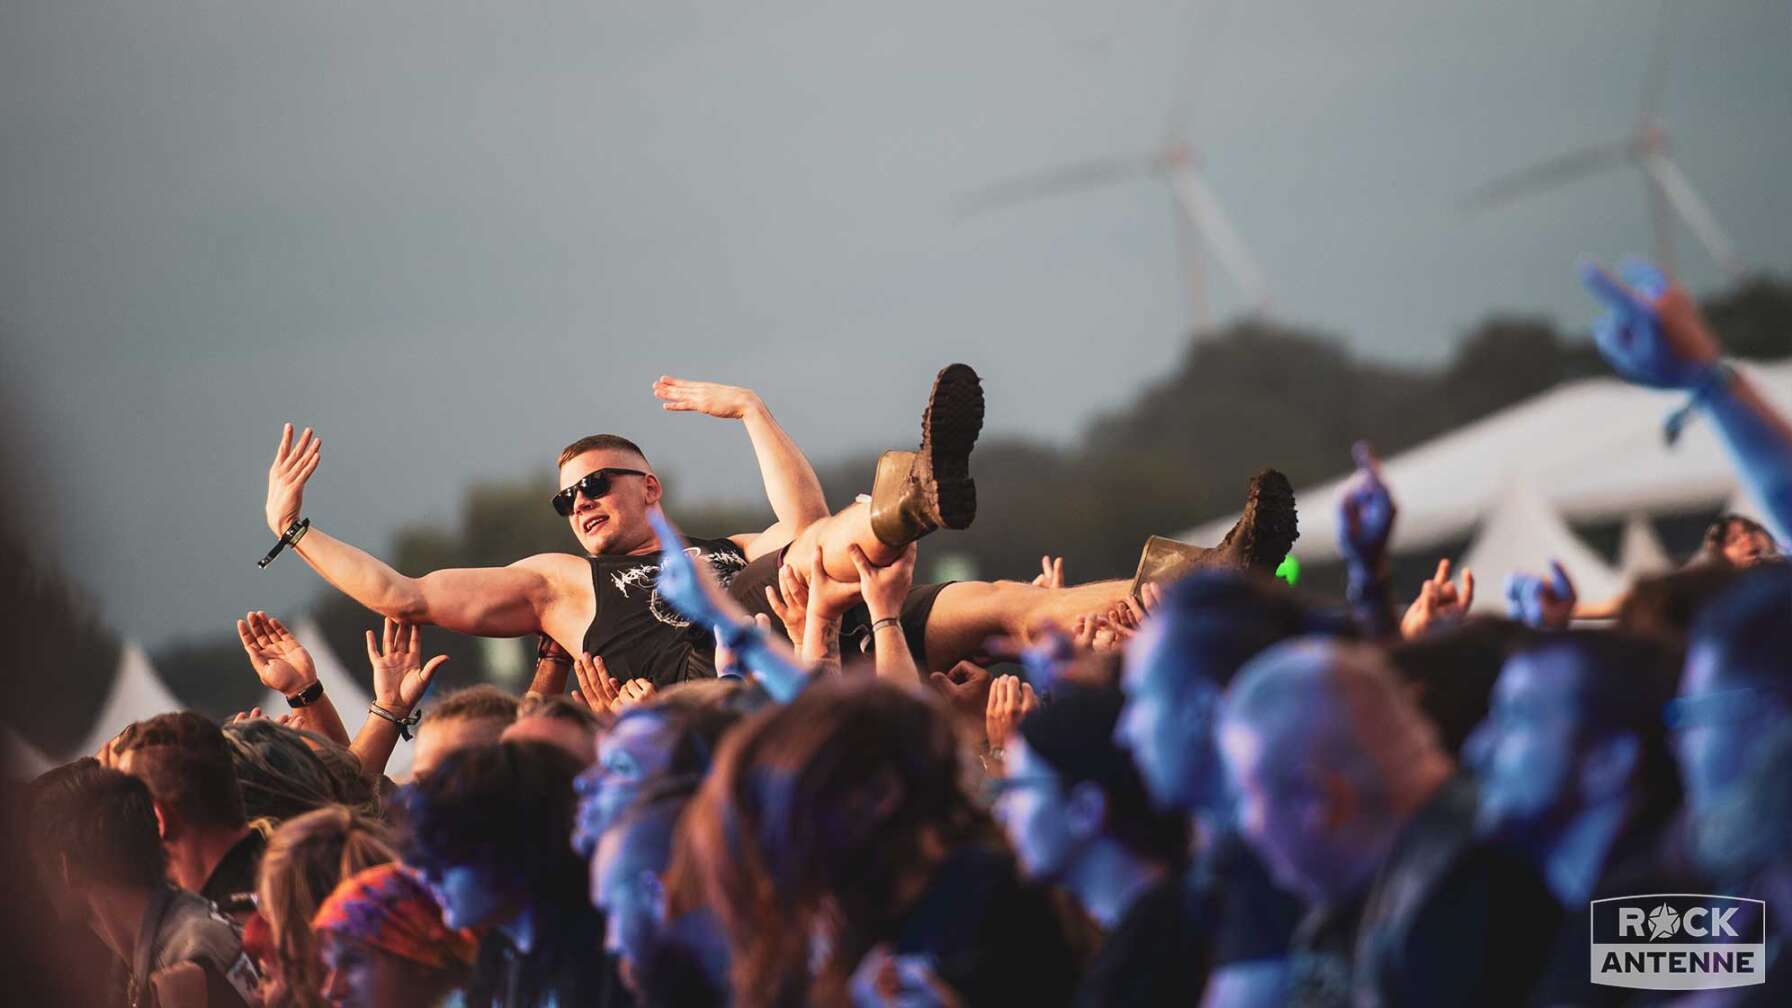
x=949, y=431
x=1269, y=525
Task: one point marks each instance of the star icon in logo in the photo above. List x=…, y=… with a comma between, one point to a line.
x=1663, y=922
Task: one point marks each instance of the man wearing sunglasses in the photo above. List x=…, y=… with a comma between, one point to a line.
x=605, y=604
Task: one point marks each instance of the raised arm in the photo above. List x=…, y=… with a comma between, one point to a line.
x=790, y=482
x=487, y=601
x=1652, y=334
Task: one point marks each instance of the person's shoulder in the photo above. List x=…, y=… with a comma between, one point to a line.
x=556, y=567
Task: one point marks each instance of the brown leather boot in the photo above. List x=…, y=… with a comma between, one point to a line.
x=1260, y=539
x=919, y=491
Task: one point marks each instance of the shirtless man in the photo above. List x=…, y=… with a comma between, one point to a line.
x=604, y=603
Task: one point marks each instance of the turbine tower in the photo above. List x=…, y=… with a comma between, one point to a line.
x=1671, y=193
x=1201, y=216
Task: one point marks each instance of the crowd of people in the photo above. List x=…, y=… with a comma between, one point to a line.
x=770, y=769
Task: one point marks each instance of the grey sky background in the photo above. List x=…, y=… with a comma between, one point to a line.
x=455, y=236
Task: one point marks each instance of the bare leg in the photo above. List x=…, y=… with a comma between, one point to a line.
x=833, y=536
x=968, y=613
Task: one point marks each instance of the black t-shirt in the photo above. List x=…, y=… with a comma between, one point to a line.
x=640, y=636
x=991, y=937
x=1156, y=955
x=231, y=884
x=1249, y=918
x=1448, y=920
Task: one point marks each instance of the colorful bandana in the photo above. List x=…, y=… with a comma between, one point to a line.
x=386, y=908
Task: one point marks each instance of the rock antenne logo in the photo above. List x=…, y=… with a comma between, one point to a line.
x=1678, y=941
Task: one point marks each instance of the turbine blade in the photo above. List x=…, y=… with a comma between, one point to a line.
x=1209, y=219
x=1071, y=178
x=1680, y=194
x=1548, y=174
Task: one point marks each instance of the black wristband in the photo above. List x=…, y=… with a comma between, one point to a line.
x=307, y=696
x=290, y=537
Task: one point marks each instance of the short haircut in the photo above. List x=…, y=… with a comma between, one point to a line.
x=188, y=765
x=507, y=806
x=480, y=703
x=1337, y=706
x=99, y=822
x=1750, y=626
x=1074, y=735
x=1220, y=619
x=557, y=707
x=600, y=442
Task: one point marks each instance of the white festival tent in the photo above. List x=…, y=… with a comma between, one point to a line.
x=23, y=761
x=136, y=693
x=1519, y=535
x=1590, y=450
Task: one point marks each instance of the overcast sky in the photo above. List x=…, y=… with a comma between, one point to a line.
x=456, y=235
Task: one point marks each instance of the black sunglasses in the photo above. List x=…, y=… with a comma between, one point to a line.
x=592, y=484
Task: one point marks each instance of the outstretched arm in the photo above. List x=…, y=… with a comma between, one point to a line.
x=790, y=482
x=1652, y=333
x=488, y=601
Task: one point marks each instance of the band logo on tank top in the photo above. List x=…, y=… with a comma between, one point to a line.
x=646, y=577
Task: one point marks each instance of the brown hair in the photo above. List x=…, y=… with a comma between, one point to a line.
x=557, y=707
x=187, y=763
x=600, y=442
x=305, y=859
x=821, y=811
x=481, y=702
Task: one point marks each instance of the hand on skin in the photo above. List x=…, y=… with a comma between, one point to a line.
x=828, y=598
x=966, y=688
x=728, y=402
x=885, y=588
x=633, y=692
x=1366, y=514
x=790, y=600
x=1547, y=604
x=1010, y=700
x=293, y=465
x=1439, y=599
x=1652, y=332
x=399, y=676
x=1051, y=572
x=1149, y=595
x=280, y=661
x=599, y=691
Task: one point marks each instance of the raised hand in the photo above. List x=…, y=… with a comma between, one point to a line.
x=294, y=462
x=1051, y=573
x=885, y=588
x=685, y=584
x=280, y=661
x=1651, y=332
x=729, y=402
x=1010, y=700
x=790, y=600
x=1547, y=604
x=1440, y=599
x=399, y=676
x=1365, y=514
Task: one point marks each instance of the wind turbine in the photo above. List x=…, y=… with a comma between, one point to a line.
x=1198, y=209
x=1671, y=193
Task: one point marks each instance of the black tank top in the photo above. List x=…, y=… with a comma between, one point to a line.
x=636, y=633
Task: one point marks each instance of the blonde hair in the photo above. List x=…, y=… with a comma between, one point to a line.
x=306, y=857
